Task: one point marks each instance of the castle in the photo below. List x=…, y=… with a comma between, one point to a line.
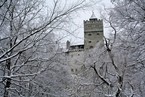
x=93, y=33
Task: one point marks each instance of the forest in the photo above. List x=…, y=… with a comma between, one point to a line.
x=33, y=61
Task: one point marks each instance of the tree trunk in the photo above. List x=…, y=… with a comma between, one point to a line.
x=8, y=80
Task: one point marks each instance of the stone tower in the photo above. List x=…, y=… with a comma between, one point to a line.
x=93, y=32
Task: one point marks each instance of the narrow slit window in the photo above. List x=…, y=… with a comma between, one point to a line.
x=72, y=70
x=89, y=34
x=90, y=41
x=91, y=46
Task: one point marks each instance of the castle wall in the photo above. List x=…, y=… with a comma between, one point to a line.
x=75, y=61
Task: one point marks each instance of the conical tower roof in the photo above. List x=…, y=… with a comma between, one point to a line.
x=93, y=15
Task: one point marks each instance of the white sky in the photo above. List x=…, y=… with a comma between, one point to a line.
x=78, y=37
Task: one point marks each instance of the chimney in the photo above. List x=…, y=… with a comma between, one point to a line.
x=67, y=44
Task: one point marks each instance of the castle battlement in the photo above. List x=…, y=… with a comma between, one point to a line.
x=93, y=25
x=95, y=20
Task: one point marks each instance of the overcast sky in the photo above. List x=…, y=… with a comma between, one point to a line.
x=78, y=37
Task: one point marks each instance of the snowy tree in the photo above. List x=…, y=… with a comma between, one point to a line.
x=28, y=48
x=128, y=18
x=119, y=64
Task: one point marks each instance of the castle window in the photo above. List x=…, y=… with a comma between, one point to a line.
x=78, y=54
x=91, y=46
x=98, y=34
x=76, y=70
x=89, y=34
x=72, y=70
x=90, y=41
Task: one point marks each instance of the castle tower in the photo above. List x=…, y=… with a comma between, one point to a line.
x=93, y=32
